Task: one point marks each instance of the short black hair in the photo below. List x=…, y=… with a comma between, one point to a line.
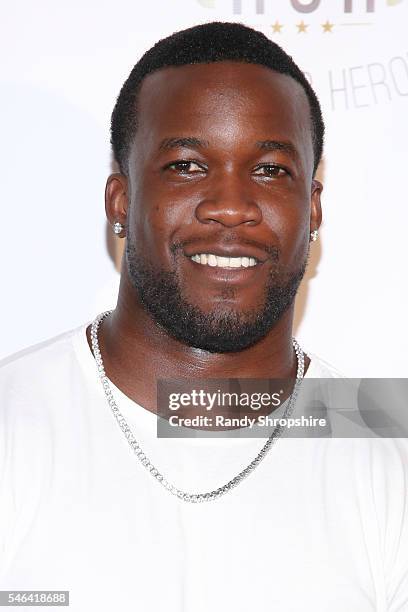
x=206, y=43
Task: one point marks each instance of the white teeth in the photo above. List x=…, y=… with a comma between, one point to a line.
x=223, y=262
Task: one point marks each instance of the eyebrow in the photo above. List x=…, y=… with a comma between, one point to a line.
x=192, y=142
x=276, y=145
x=178, y=142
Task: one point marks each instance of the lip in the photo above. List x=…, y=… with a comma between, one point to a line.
x=234, y=276
x=228, y=251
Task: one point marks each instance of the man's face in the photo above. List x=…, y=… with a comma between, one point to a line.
x=221, y=201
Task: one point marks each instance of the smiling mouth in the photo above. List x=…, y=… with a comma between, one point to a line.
x=216, y=261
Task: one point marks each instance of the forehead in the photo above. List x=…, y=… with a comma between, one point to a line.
x=232, y=100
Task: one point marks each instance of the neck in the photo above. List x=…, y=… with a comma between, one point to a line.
x=137, y=352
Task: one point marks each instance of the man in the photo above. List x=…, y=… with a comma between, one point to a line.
x=218, y=135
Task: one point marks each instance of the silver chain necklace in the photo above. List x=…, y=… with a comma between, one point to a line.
x=143, y=458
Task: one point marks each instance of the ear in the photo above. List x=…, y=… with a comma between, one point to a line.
x=315, y=209
x=117, y=200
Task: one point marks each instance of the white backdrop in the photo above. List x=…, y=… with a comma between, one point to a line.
x=63, y=65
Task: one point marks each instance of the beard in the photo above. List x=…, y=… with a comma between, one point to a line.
x=222, y=330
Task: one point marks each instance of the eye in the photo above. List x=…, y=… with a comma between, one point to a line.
x=186, y=167
x=270, y=171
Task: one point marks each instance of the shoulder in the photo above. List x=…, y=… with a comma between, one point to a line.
x=39, y=409
x=30, y=376
x=319, y=368
x=46, y=394
x=47, y=353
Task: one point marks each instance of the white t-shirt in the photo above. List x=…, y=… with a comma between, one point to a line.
x=320, y=525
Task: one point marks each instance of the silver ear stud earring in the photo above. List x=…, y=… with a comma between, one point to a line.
x=117, y=228
x=314, y=235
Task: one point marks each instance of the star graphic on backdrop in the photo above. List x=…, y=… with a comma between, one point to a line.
x=276, y=27
x=302, y=26
x=327, y=27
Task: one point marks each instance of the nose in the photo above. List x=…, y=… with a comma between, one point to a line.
x=228, y=202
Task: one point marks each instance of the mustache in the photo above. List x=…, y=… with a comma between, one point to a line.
x=272, y=251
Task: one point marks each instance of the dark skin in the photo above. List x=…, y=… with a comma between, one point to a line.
x=235, y=195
